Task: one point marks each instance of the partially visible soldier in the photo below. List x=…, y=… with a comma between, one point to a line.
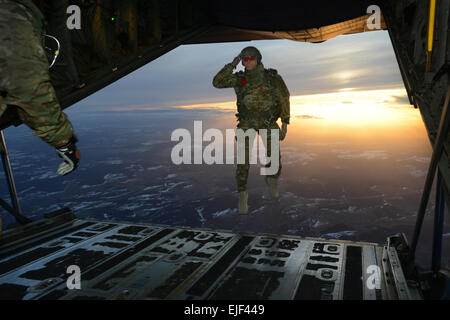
x=262, y=98
x=25, y=80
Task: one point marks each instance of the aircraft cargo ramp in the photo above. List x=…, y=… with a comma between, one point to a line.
x=143, y=261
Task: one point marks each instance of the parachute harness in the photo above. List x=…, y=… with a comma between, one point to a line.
x=55, y=52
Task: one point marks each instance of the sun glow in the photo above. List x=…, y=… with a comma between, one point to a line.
x=347, y=107
x=356, y=108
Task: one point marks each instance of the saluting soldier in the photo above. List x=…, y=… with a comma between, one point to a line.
x=25, y=80
x=262, y=98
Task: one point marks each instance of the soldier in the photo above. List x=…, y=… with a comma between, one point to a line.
x=25, y=80
x=262, y=98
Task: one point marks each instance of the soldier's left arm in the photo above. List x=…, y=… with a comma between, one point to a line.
x=283, y=100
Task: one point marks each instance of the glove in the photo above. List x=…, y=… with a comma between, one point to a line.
x=71, y=156
x=236, y=61
x=283, y=131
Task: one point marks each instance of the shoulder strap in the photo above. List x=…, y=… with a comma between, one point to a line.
x=272, y=72
x=271, y=77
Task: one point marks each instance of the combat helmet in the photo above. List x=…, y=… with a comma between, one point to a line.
x=251, y=52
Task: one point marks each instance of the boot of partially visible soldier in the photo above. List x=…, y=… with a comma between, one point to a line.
x=71, y=156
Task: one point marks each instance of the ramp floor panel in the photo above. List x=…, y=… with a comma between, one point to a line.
x=138, y=261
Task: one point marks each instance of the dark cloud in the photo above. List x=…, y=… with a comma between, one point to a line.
x=307, y=116
x=401, y=99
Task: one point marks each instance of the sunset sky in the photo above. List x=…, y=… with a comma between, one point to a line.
x=347, y=88
x=333, y=74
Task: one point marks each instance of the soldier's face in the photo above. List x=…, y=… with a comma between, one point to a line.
x=249, y=62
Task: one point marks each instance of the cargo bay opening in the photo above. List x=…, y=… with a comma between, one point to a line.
x=408, y=82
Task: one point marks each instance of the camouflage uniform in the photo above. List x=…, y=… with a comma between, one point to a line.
x=24, y=73
x=262, y=98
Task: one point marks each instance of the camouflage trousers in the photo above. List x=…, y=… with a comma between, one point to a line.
x=243, y=169
x=24, y=76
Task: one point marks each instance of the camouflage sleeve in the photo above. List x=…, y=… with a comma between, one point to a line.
x=225, y=78
x=26, y=77
x=284, y=101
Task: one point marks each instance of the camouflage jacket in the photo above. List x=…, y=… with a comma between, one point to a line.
x=34, y=14
x=260, y=92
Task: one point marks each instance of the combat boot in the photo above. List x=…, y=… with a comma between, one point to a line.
x=70, y=155
x=243, y=199
x=273, y=186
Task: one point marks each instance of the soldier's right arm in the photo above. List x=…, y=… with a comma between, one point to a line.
x=225, y=78
x=284, y=100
